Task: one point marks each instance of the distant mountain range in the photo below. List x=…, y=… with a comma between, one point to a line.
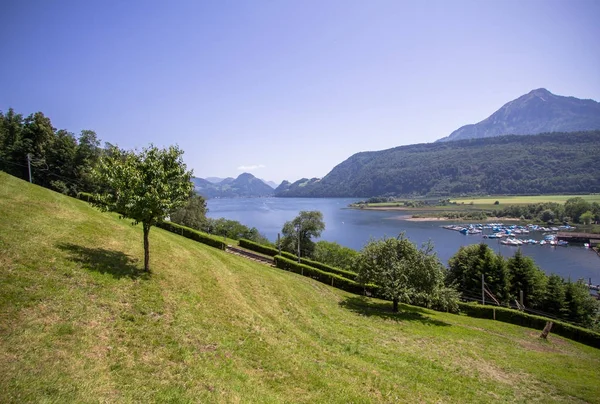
x=536, y=164
x=539, y=111
x=245, y=185
x=222, y=181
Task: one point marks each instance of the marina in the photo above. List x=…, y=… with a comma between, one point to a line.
x=354, y=228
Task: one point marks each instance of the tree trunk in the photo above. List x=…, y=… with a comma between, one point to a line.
x=146, y=247
x=395, y=302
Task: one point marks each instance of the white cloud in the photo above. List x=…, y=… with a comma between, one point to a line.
x=252, y=167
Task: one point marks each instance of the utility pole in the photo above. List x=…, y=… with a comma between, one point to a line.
x=521, y=297
x=299, y=243
x=279, y=243
x=482, y=289
x=29, y=165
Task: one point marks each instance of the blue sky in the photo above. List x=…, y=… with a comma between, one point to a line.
x=288, y=89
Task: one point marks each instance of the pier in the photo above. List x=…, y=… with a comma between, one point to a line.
x=582, y=238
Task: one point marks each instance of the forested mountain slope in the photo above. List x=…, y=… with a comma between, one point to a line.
x=545, y=163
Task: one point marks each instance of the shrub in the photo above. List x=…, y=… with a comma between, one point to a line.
x=334, y=280
x=327, y=268
x=579, y=334
x=259, y=248
x=193, y=234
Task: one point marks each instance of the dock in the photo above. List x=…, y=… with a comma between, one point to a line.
x=573, y=237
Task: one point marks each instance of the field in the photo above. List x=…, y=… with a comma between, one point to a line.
x=524, y=200
x=80, y=323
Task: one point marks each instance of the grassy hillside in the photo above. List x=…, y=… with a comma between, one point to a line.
x=79, y=323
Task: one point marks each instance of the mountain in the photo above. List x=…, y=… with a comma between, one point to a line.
x=288, y=189
x=540, y=111
x=536, y=164
x=270, y=183
x=214, y=180
x=245, y=185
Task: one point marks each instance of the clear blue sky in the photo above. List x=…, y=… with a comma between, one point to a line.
x=288, y=89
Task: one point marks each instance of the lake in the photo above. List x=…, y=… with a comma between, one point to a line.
x=353, y=228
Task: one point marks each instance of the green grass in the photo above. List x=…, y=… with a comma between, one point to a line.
x=524, y=200
x=80, y=323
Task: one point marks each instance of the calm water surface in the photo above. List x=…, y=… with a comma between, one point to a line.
x=353, y=228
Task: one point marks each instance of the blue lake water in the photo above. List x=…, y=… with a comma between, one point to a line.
x=353, y=228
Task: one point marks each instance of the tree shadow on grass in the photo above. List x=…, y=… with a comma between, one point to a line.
x=369, y=307
x=115, y=263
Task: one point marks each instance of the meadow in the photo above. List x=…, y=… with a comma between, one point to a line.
x=80, y=322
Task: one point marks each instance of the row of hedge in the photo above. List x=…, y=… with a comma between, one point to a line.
x=193, y=234
x=331, y=279
x=264, y=249
x=327, y=268
x=271, y=251
x=575, y=333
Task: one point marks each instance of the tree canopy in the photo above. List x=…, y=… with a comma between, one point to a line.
x=144, y=187
x=404, y=273
x=302, y=229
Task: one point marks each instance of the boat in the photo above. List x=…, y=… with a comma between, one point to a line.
x=562, y=243
x=586, y=245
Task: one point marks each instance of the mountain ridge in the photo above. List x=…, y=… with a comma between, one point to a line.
x=245, y=185
x=512, y=164
x=538, y=111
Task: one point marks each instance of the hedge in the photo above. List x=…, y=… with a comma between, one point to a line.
x=327, y=268
x=573, y=332
x=271, y=251
x=334, y=280
x=259, y=248
x=193, y=234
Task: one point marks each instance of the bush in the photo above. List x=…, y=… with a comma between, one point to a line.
x=338, y=271
x=259, y=248
x=334, y=280
x=507, y=315
x=193, y=234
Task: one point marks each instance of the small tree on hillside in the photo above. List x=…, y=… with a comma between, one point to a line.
x=144, y=187
x=306, y=225
x=405, y=273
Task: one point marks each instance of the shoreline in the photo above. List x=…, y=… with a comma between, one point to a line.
x=409, y=218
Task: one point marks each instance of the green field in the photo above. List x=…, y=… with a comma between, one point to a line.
x=80, y=323
x=524, y=200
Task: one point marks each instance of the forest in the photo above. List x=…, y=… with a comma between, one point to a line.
x=551, y=163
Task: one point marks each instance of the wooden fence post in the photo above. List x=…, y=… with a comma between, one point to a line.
x=547, y=329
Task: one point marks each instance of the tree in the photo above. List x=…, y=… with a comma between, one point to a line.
x=334, y=254
x=586, y=217
x=306, y=225
x=554, y=300
x=403, y=272
x=547, y=215
x=235, y=230
x=575, y=207
x=192, y=214
x=526, y=277
x=470, y=262
x=582, y=308
x=144, y=187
